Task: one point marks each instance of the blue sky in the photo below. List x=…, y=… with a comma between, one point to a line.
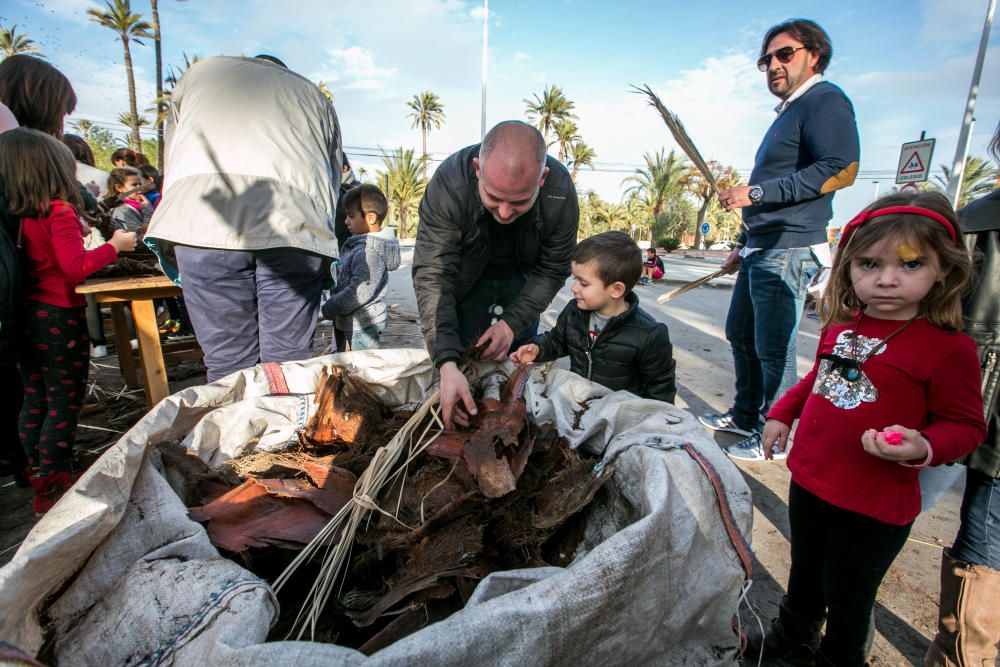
x=906, y=65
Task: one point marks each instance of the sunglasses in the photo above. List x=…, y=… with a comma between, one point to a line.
x=784, y=56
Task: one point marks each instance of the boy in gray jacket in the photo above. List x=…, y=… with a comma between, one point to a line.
x=357, y=305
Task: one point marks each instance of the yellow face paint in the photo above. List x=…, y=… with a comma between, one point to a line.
x=906, y=253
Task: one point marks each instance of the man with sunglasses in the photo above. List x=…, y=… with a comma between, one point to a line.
x=809, y=152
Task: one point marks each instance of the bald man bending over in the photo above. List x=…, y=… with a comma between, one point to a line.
x=498, y=222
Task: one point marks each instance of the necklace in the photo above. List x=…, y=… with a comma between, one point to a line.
x=850, y=368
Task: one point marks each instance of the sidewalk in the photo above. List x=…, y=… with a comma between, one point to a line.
x=679, y=270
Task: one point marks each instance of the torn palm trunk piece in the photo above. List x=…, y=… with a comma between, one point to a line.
x=276, y=511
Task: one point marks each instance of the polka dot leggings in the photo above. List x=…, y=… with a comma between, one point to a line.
x=52, y=359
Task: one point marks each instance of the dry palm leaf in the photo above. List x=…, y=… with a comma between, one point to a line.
x=683, y=140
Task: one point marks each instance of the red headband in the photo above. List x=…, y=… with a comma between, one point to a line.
x=869, y=214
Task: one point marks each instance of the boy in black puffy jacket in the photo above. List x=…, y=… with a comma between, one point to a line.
x=608, y=338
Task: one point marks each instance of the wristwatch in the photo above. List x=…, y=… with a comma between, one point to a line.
x=756, y=195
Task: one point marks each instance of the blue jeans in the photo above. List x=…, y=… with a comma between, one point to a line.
x=249, y=307
x=763, y=319
x=978, y=539
x=360, y=339
x=474, y=316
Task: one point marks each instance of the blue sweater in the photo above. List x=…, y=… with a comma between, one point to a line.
x=810, y=151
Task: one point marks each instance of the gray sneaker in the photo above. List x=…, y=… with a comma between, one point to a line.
x=724, y=422
x=750, y=449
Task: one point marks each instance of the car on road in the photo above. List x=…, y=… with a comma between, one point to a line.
x=722, y=245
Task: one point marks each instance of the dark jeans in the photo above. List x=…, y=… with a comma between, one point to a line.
x=52, y=359
x=474, y=311
x=978, y=539
x=763, y=319
x=249, y=307
x=838, y=561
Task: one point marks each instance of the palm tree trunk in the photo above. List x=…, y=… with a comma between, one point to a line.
x=402, y=220
x=423, y=137
x=576, y=168
x=159, y=84
x=136, y=141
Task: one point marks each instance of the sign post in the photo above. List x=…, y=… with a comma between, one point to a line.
x=915, y=161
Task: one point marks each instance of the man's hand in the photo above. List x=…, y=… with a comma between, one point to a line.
x=500, y=336
x=732, y=261
x=775, y=432
x=912, y=448
x=456, y=397
x=734, y=198
x=525, y=354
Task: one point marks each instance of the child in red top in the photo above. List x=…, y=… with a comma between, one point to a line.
x=891, y=359
x=52, y=350
x=652, y=266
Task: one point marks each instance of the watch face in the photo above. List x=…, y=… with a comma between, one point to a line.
x=756, y=193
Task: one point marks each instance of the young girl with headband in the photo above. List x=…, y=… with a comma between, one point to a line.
x=895, y=387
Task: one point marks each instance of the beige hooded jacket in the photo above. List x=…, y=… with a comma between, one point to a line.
x=253, y=161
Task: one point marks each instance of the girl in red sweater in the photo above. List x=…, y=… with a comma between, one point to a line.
x=895, y=388
x=38, y=176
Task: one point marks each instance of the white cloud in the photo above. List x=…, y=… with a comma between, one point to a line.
x=354, y=68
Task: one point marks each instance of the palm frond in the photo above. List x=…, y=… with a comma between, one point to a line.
x=676, y=128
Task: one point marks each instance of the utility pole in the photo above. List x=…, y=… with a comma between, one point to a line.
x=486, y=24
x=965, y=136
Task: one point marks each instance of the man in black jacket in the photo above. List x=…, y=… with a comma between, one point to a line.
x=498, y=222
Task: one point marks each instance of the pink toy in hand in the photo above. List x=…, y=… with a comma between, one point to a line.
x=893, y=437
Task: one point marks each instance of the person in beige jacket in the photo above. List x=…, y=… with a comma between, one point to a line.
x=246, y=218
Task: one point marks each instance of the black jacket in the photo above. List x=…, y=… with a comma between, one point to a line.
x=633, y=352
x=452, y=249
x=980, y=221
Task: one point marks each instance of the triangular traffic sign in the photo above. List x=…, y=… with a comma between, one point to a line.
x=914, y=165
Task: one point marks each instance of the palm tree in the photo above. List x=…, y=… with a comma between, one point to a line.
x=566, y=133
x=725, y=176
x=547, y=110
x=580, y=155
x=12, y=43
x=129, y=27
x=404, y=183
x=161, y=107
x=663, y=179
x=980, y=178
x=130, y=121
x=427, y=112
x=84, y=127
x=325, y=90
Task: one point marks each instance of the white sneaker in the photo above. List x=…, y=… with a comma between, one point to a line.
x=751, y=449
x=98, y=351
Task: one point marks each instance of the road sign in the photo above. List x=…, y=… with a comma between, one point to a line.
x=705, y=228
x=915, y=161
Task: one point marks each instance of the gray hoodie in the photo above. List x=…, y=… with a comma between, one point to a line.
x=358, y=301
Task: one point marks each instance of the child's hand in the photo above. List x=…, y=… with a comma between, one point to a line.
x=141, y=198
x=913, y=447
x=775, y=432
x=123, y=241
x=525, y=354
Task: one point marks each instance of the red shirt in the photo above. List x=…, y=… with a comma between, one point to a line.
x=925, y=378
x=57, y=260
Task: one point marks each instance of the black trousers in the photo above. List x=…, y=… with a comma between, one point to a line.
x=839, y=558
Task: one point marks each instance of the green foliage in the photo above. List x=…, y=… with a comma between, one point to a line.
x=102, y=142
x=552, y=107
x=12, y=43
x=403, y=183
x=669, y=244
x=580, y=155
x=979, y=178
